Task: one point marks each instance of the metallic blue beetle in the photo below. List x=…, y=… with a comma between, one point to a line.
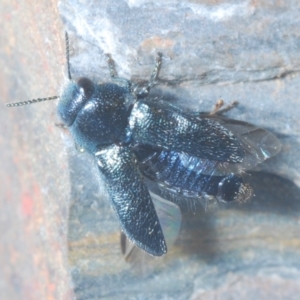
x=133, y=136
x=191, y=156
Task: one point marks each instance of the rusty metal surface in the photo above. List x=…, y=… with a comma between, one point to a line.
x=34, y=180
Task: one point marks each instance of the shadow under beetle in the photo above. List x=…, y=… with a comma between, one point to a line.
x=191, y=156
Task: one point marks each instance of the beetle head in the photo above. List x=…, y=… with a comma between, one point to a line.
x=74, y=96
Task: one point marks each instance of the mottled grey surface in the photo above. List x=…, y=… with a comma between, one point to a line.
x=249, y=52
x=235, y=252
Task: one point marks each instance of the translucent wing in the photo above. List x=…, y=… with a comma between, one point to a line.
x=258, y=144
x=169, y=216
x=130, y=199
x=192, y=178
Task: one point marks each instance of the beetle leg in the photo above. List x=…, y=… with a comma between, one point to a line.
x=156, y=70
x=114, y=75
x=111, y=66
x=61, y=125
x=217, y=108
x=154, y=75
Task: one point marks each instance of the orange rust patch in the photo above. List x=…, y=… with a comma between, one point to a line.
x=157, y=42
x=26, y=204
x=27, y=200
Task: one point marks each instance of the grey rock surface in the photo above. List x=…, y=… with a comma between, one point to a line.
x=247, y=52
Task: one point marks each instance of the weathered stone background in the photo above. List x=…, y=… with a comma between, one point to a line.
x=247, y=51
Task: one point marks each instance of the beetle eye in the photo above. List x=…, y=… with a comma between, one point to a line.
x=85, y=86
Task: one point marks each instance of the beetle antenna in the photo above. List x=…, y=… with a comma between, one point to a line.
x=68, y=55
x=21, y=103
